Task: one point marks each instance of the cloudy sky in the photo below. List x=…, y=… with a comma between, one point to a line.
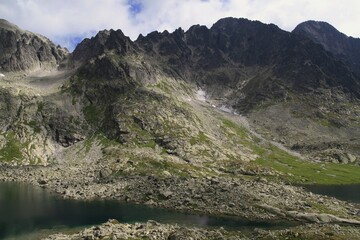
x=67, y=22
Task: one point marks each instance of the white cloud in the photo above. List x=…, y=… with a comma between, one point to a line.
x=66, y=20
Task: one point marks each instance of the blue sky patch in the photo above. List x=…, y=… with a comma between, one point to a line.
x=75, y=41
x=71, y=41
x=135, y=6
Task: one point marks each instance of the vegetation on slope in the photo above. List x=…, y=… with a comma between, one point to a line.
x=294, y=169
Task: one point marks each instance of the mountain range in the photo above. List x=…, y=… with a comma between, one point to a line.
x=300, y=88
x=240, y=100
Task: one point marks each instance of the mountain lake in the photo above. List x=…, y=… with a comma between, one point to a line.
x=30, y=212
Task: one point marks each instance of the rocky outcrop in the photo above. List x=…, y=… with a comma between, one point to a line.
x=310, y=217
x=106, y=41
x=149, y=230
x=154, y=230
x=312, y=231
x=34, y=127
x=25, y=51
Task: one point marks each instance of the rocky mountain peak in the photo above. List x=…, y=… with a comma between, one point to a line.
x=318, y=27
x=231, y=25
x=346, y=49
x=323, y=33
x=230, y=22
x=26, y=51
x=4, y=24
x=104, y=41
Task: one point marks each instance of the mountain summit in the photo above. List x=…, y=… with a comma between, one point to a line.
x=345, y=48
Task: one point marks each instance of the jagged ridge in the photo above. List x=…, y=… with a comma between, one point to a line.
x=22, y=50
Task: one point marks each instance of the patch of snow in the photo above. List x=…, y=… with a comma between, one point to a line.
x=201, y=95
x=2, y=75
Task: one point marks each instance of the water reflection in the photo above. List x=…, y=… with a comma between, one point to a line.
x=349, y=193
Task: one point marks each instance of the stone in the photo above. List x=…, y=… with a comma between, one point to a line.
x=166, y=194
x=166, y=173
x=351, y=158
x=104, y=173
x=42, y=181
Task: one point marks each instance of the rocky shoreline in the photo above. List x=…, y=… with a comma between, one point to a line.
x=149, y=230
x=252, y=199
x=154, y=230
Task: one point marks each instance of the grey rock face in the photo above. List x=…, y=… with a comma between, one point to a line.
x=21, y=50
x=35, y=127
x=106, y=40
x=346, y=49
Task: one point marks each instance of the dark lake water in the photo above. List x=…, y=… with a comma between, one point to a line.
x=349, y=193
x=25, y=210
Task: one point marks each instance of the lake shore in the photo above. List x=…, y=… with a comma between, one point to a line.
x=153, y=230
x=248, y=198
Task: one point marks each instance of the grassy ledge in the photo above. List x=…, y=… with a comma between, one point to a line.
x=294, y=169
x=11, y=150
x=300, y=171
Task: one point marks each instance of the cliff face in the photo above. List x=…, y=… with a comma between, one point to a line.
x=22, y=50
x=33, y=124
